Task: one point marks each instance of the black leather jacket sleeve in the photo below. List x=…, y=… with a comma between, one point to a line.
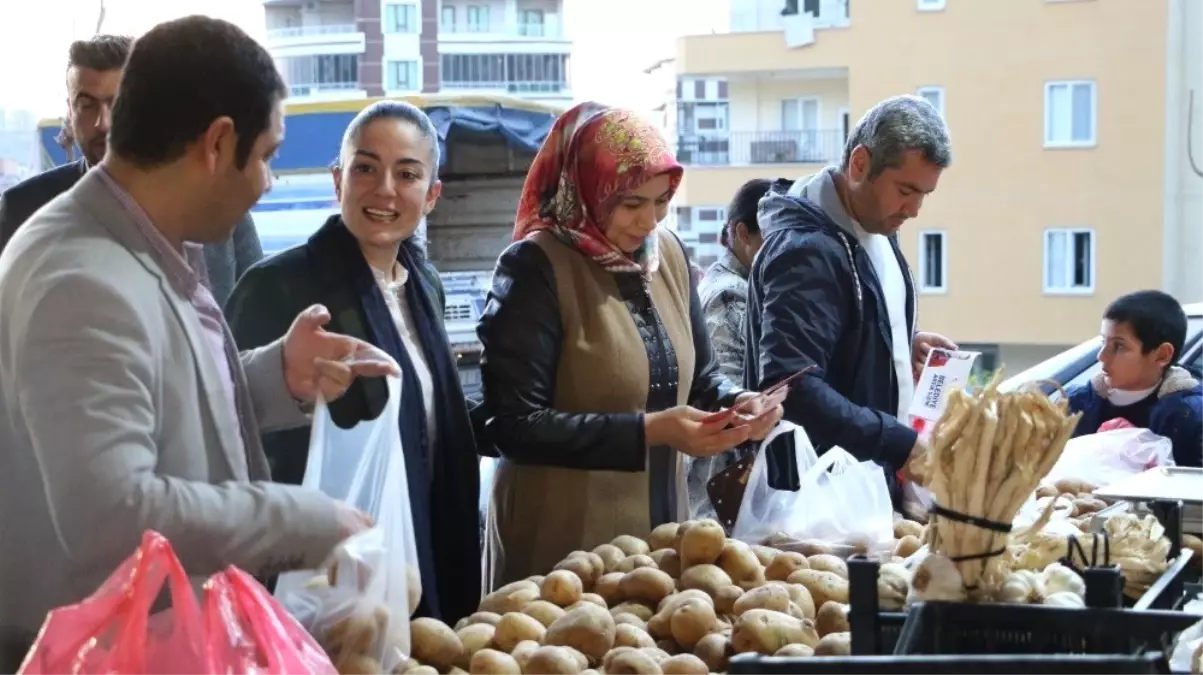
x=521, y=333
x=710, y=389
x=805, y=310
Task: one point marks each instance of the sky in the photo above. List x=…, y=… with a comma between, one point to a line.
x=614, y=41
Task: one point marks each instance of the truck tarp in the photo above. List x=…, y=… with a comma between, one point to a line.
x=313, y=131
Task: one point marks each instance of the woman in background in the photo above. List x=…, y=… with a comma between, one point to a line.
x=597, y=372
x=365, y=266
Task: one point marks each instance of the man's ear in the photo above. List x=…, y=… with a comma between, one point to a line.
x=858, y=164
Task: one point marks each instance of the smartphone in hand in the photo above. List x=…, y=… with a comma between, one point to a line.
x=769, y=398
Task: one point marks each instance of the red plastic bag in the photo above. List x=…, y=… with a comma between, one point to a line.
x=112, y=631
x=249, y=632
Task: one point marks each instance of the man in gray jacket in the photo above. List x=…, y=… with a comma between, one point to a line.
x=93, y=75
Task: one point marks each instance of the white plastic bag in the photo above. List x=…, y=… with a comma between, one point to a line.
x=840, y=500
x=358, y=608
x=1106, y=457
x=1187, y=654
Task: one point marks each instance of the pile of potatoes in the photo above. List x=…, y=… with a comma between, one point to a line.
x=683, y=601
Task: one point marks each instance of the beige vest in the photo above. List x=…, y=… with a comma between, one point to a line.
x=540, y=514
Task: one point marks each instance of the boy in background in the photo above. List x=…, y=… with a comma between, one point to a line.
x=1143, y=334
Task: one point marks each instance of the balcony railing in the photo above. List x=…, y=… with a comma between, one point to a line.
x=513, y=87
x=743, y=148
x=549, y=29
x=311, y=30
x=315, y=87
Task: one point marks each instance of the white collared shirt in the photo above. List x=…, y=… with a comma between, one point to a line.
x=392, y=285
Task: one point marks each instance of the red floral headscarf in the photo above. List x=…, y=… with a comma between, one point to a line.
x=592, y=157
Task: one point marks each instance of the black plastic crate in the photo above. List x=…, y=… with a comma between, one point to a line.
x=1052, y=664
x=960, y=628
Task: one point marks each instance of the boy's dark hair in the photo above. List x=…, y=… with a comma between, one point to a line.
x=743, y=207
x=1156, y=318
x=100, y=52
x=183, y=75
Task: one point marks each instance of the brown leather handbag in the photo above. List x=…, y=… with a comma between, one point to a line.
x=727, y=487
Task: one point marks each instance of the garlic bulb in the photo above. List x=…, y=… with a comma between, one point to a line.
x=936, y=579
x=1065, y=599
x=1058, y=578
x=1022, y=587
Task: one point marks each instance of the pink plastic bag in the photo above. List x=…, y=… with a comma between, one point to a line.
x=112, y=631
x=249, y=632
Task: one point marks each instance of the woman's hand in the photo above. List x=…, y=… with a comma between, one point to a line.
x=760, y=414
x=686, y=429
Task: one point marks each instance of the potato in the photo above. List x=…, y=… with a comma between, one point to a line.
x=536, y=579
x=1074, y=486
x=647, y=584
x=765, y=554
x=684, y=527
x=1195, y=544
x=631, y=545
x=510, y=598
x=626, y=635
x=588, y=629
x=835, y=644
x=741, y=564
x=490, y=618
x=630, y=620
x=516, y=627
x=798, y=595
x=795, y=651
x=422, y=670
x=552, y=661
x=663, y=536
x=523, y=651
x=639, y=609
x=608, y=587
x=785, y=564
x=634, y=562
x=765, y=631
x=904, y=527
x=724, y=600
x=1083, y=506
x=828, y=563
x=493, y=662
x=456, y=670
x=823, y=586
x=358, y=664
x=809, y=547
x=594, y=599
x=660, y=625
x=668, y=560
x=474, y=638
x=705, y=577
x=610, y=554
x=691, y=622
x=715, y=651
x=583, y=568
x=701, y=544
x=893, y=585
x=660, y=653
x=543, y=611
x=684, y=664
x=832, y=618
x=774, y=597
x=562, y=588
x=632, y=662
x=435, y=644
x=907, y=546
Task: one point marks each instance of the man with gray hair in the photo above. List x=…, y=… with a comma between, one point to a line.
x=831, y=290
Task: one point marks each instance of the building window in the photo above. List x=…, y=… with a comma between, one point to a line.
x=403, y=75
x=934, y=96
x=684, y=219
x=530, y=23
x=1070, y=114
x=930, y=5
x=708, y=238
x=800, y=114
x=1069, y=261
x=447, y=22
x=478, y=18
x=324, y=72
x=933, y=262
x=710, y=214
x=401, y=19
x=508, y=73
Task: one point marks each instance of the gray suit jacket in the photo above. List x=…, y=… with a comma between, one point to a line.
x=112, y=422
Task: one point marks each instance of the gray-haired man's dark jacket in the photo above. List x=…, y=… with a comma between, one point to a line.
x=225, y=262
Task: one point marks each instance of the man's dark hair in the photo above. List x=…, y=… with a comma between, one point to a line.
x=100, y=52
x=1156, y=318
x=183, y=75
x=742, y=208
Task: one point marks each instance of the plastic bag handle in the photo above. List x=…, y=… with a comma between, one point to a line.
x=157, y=564
x=828, y=460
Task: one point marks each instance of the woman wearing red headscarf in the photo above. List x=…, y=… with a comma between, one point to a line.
x=597, y=371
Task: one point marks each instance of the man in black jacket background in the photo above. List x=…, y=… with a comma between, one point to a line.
x=830, y=288
x=93, y=75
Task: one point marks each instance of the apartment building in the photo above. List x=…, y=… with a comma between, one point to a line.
x=1072, y=182
x=338, y=49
